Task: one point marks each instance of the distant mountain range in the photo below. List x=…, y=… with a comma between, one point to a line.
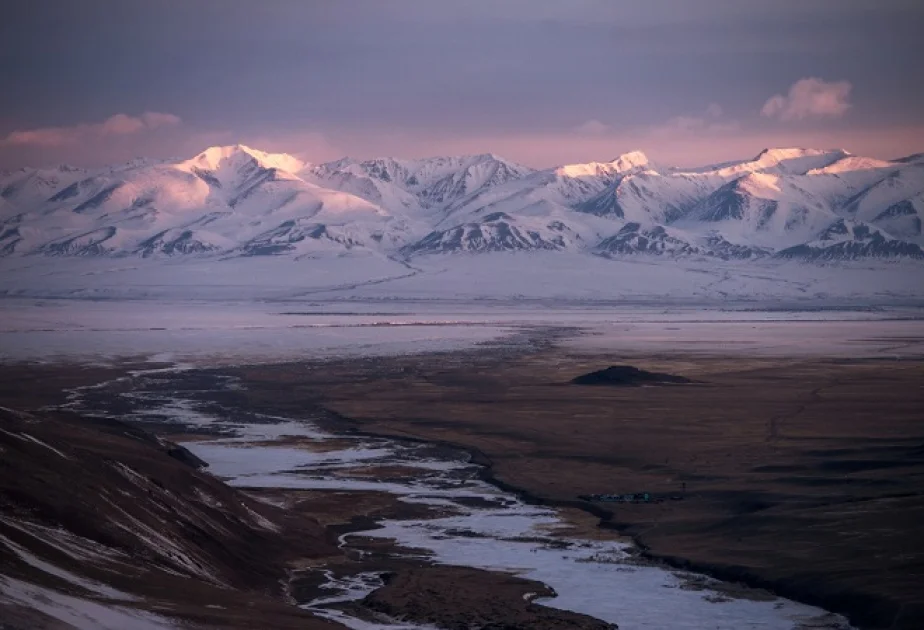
x=795, y=204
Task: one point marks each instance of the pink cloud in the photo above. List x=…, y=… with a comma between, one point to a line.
x=808, y=98
x=116, y=125
x=160, y=119
x=46, y=137
x=592, y=128
x=121, y=124
x=708, y=123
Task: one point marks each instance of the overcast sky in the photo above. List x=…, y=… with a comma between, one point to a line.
x=539, y=81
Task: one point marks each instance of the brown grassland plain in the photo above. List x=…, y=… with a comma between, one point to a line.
x=805, y=476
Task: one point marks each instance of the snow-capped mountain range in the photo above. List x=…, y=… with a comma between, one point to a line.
x=234, y=201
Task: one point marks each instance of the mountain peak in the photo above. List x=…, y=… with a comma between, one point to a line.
x=620, y=164
x=489, y=157
x=213, y=157
x=791, y=153
x=630, y=160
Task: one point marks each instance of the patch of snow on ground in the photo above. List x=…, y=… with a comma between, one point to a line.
x=163, y=546
x=77, y=547
x=35, y=440
x=98, y=589
x=353, y=588
x=82, y=614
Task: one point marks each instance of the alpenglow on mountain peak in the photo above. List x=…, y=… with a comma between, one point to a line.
x=630, y=160
x=213, y=157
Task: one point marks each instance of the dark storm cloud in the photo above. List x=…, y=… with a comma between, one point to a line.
x=406, y=68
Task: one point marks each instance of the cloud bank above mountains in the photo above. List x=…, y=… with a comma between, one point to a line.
x=115, y=125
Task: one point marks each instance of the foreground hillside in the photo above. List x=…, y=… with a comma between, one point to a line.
x=234, y=201
x=103, y=525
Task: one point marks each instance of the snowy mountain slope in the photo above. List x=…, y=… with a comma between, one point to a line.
x=911, y=159
x=220, y=201
x=896, y=201
x=785, y=161
x=422, y=183
x=26, y=187
x=779, y=199
x=852, y=240
x=475, y=174
x=236, y=201
x=633, y=239
x=372, y=189
x=763, y=209
x=652, y=196
x=564, y=186
x=903, y=219
x=535, y=211
x=496, y=232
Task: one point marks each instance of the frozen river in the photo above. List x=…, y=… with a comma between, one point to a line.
x=475, y=523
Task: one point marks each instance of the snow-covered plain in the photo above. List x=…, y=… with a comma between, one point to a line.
x=512, y=276
x=218, y=332
x=564, y=277
x=215, y=334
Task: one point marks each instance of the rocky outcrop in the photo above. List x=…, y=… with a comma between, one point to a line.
x=628, y=376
